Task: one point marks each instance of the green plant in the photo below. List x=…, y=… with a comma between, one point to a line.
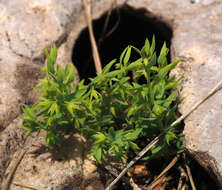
x=128, y=101
x=60, y=96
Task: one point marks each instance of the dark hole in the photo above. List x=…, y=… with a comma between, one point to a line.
x=202, y=179
x=134, y=26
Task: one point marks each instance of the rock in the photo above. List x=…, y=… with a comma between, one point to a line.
x=11, y=139
x=59, y=168
x=27, y=27
x=200, y=52
x=9, y=102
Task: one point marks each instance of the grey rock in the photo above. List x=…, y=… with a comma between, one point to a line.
x=26, y=29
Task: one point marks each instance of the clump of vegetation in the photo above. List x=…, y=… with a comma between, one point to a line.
x=115, y=109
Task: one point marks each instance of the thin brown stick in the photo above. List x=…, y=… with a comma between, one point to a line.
x=107, y=20
x=182, y=176
x=156, y=140
x=190, y=177
x=6, y=183
x=163, y=186
x=151, y=144
x=114, y=27
x=27, y=186
x=114, y=172
x=180, y=183
x=169, y=166
x=162, y=179
x=185, y=187
x=95, y=51
x=104, y=34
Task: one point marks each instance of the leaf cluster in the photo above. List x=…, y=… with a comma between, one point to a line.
x=61, y=97
x=115, y=109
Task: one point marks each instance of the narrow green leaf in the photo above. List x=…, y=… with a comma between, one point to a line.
x=127, y=56
x=147, y=47
x=98, y=154
x=170, y=99
x=136, y=49
x=51, y=59
x=94, y=94
x=143, y=52
x=99, y=137
x=112, y=110
x=134, y=146
x=154, y=68
x=112, y=74
x=152, y=61
x=107, y=68
x=158, y=110
x=165, y=70
x=162, y=59
x=121, y=102
x=60, y=74
x=50, y=66
x=46, y=52
x=70, y=76
x=29, y=112
x=54, y=109
x=170, y=136
x=133, y=134
x=135, y=65
x=53, y=53
x=71, y=106
x=156, y=149
x=152, y=48
x=122, y=55
x=132, y=111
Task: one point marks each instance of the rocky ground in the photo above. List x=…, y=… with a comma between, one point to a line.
x=27, y=27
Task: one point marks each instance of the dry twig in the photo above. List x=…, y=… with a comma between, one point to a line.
x=161, y=180
x=96, y=58
x=151, y=144
x=114, y=172
x=170, y=165
x=182, y=175
x=190, y=177
x=180, y=183
x=27, y=186
x=156, y=140
x=107, y=20
x=106, y=33
x=7, y=182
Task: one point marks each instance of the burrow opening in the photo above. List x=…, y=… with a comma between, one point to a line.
x=127, y=26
